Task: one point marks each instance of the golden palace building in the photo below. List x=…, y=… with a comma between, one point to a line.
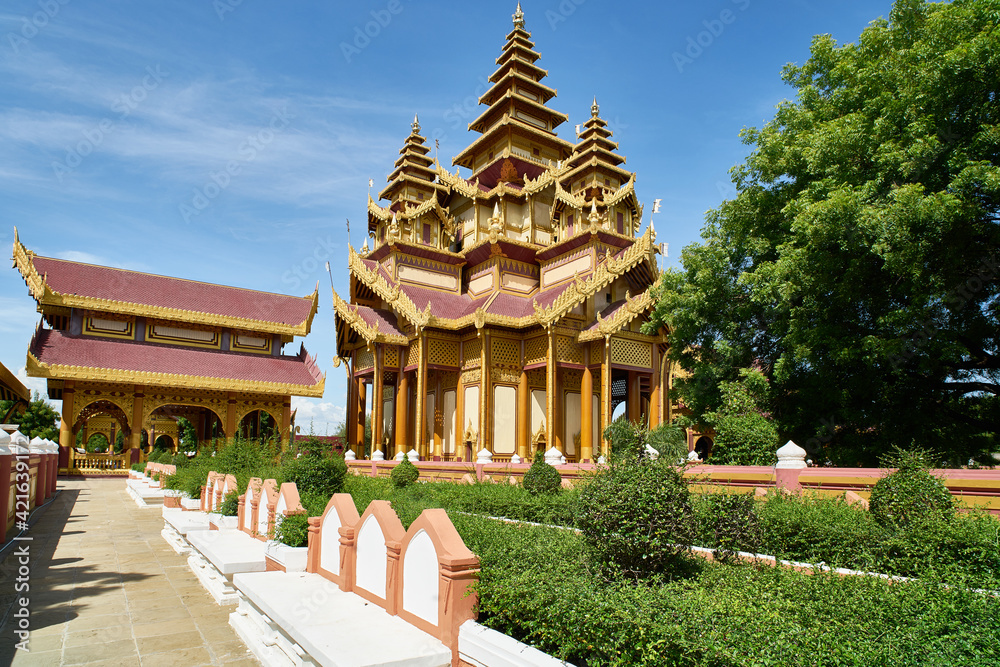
x=502, y=310
x=130, y=352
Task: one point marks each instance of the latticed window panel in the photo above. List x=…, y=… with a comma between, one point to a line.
x=506, y=352
x=535, y=350
x=390, y=356
x=619, y=391
x=567, y=350
x=571, y=379
x=597, y=352
x=631, y=353
x=442, y=352
x=413, y=354
x=449, y=379
x=388, y=380
x=536, y=377
x=363, y=359
x=472, y=349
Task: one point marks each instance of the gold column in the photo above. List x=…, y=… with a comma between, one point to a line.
x=586, y=416
x=230, y=418
x=421, y=411
x=654, y=390
x=550, y=390
x=351, y=408
x=523, y=416
x=438, y=423
x=402, y=394
x=286, y=422
x=606, y=396
x=66, y=438
x=485, y=428
x=377, y=403
x=359, y=433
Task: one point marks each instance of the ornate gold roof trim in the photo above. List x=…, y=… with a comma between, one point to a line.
x=576, y=293
x=623, y=316
x=564, y=196
x=370, y=333
x=37, y=368
x=45, y=295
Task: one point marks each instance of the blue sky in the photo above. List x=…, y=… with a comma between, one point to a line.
x=118, y=121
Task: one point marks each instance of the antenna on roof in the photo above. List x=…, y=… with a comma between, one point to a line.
x=349, y=231
x=330, y=273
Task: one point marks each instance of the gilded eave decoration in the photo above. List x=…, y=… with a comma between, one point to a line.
x=371, y=334
x=577, y=291
x=37, y=368
x=633, y=308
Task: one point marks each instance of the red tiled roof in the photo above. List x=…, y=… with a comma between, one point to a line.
x=386, y=319
x=447, y=305
x=54, y=348
x=102, y=282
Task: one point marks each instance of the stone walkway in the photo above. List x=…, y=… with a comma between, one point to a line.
x=106, y=589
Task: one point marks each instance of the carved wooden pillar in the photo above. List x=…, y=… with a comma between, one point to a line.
x=402, y=394
x=606, y=396
x=230, y=418
x=654, y=390
x=378, y=419
x=286, y=422
x=523, y=416
x=359, y=433
x=438, y=419
x=421, y=411
x=633, y=407
x=550, y=390
x=66, y=438
x=586, y=416
x=485, y=415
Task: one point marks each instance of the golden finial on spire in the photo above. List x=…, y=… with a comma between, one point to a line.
x=415, y=126
x=519, y=17
x=594, y=109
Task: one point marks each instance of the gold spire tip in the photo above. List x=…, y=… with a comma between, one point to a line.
x=519, y=17
x=594, y=109
x=415, y=126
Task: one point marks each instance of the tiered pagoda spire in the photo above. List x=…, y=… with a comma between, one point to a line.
x=516, y=120
x=595, y=172
x=413, y=177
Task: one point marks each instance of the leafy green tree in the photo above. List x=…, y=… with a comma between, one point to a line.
x=857, y=264
x=188, y=435
x=37, y=421
x=744, y=433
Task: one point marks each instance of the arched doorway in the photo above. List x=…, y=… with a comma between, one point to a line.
x=188, y=428
x=97, y=444
x=258, y=426
x=703, y=447
x=165, y=443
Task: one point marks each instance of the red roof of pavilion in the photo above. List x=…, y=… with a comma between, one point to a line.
x=121, y=285
x=52, y=347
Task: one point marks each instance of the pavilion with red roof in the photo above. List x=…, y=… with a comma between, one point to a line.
x=502, y=309
x=135, y=351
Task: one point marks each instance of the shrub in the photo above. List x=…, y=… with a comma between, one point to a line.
x=627, y=439
x=404, y=474
x=542, y=478
x=911, y=493
x=316, y=474
x=636, y=518
x=731, y=522
x=814, y=528
x=230, y=504
x=292, y=530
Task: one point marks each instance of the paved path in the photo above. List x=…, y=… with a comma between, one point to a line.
x=106, y=589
